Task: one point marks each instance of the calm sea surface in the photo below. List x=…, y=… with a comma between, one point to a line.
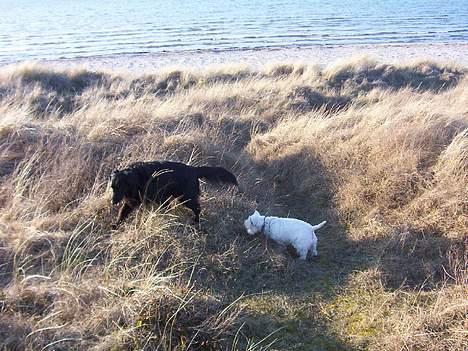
x=53, y=29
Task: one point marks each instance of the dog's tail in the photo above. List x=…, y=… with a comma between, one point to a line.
x=318, y=226
x=216, y=175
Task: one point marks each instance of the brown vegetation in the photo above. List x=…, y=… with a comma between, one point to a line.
x=379, y=151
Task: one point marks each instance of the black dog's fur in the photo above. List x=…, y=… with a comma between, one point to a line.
x=158, y=182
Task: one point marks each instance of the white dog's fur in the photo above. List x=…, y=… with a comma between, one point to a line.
x=299, y=234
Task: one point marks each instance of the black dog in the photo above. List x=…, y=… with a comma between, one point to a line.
x=158, y=182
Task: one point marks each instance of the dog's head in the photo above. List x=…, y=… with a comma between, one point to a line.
x=253, y=224
x=119, y=186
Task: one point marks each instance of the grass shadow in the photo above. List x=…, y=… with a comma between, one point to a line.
x=422, y=77
x=420, y=261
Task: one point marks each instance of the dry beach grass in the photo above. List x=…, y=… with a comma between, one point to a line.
x=380, y=151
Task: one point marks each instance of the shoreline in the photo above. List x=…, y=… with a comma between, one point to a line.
x=456, y=53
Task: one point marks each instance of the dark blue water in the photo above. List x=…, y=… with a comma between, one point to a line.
x=52, y=29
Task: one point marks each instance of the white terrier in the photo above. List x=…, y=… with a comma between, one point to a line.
x=299, y=234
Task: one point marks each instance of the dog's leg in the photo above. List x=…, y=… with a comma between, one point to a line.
x=314, y=250
x=194, y=205
x=124, y=211
x=302, y=253
x=292, y=251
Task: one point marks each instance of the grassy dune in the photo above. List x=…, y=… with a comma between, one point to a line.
x=379, y=151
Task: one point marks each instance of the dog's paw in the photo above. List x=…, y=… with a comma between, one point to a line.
x=291, y=250
x=312, y=258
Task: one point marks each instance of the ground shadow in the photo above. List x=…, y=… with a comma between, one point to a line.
x=249, y=265
x=283, y=180
x=259, y=266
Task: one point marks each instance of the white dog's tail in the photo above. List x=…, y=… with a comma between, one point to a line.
x=318, y=226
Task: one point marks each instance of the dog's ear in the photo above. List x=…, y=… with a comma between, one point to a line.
x=112, y=175
x=256, y=213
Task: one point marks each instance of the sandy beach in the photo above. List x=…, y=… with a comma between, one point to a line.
x=321, y=55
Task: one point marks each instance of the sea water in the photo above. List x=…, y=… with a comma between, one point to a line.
x=54, y=29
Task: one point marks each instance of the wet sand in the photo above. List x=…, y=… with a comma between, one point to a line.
x=322, y=55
